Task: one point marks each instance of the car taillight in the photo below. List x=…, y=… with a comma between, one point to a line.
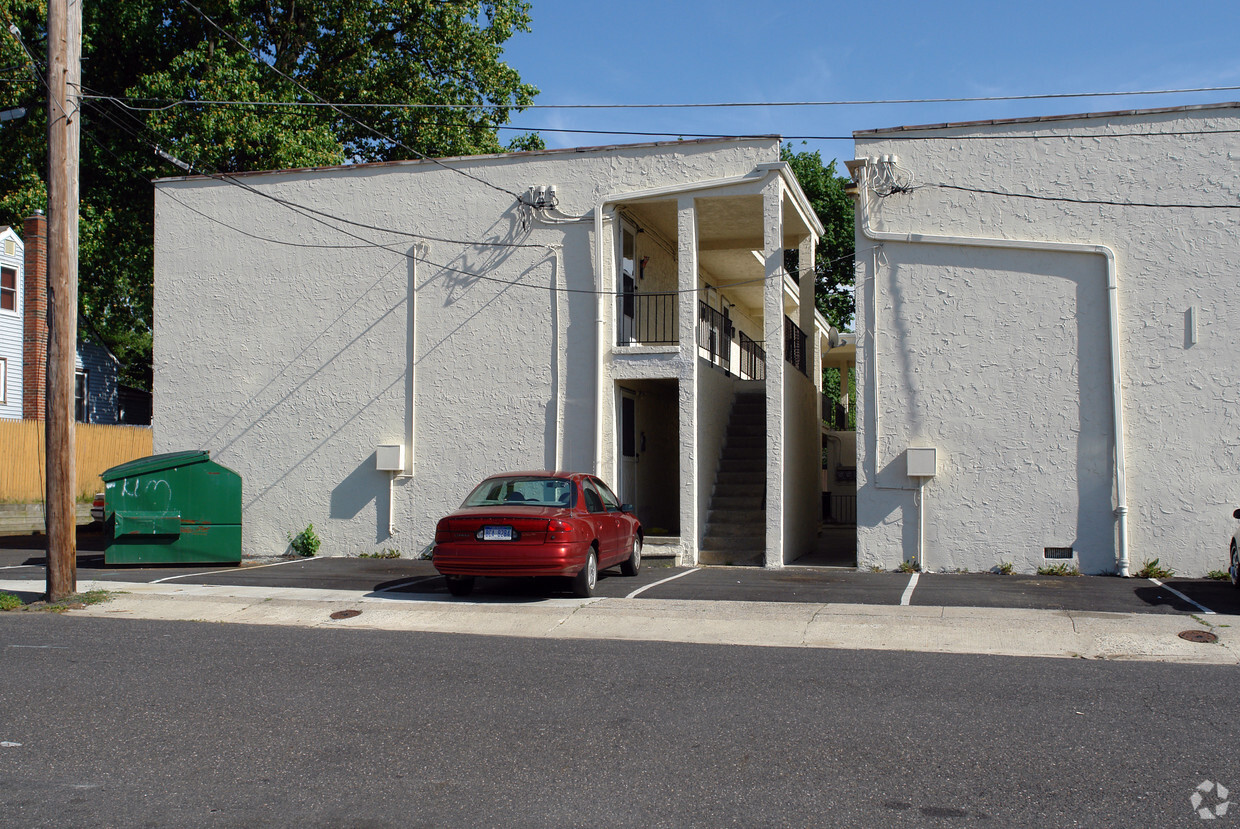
x=559, y=530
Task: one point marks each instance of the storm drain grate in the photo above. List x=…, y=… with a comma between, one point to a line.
x=346, y=614
x=1203, y=636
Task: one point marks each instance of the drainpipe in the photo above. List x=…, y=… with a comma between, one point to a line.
x=860, y=170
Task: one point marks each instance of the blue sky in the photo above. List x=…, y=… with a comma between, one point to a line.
x=646, y=51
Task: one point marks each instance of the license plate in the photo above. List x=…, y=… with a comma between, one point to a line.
x=497, y=533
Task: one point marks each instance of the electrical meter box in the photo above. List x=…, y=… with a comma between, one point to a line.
x=922, y=461
x=390, y=457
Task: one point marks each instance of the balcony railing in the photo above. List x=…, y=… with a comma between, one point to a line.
x=794, y=345
x=714, y=335
x=753, y=359
x=646, y=319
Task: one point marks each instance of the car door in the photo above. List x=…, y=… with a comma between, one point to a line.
x=615, y=521
x=600, y=519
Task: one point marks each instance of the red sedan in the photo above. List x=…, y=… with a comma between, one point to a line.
x=538, y=524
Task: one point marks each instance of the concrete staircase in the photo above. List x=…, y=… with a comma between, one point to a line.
x=736, y=522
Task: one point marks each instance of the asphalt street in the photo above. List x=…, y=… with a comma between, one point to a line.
x=114, y=722
x=20, y=559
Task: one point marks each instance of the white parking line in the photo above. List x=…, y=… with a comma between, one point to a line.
x=1172, y=590
x=227, y=570
x=407, y=582
x=16, y=566
x=660, y=581
x=908, y=591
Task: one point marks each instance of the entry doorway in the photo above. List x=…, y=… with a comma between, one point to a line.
x=647, y=441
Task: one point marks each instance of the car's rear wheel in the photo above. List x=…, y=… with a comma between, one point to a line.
x=460, y=585
x=585, y=581
x=634, y=563
x=1234, y=569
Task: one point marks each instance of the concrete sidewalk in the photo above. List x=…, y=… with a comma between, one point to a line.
x=1001, y=631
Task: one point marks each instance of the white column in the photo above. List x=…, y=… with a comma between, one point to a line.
x=773, y=327
x=813, y=353
x=687, y=303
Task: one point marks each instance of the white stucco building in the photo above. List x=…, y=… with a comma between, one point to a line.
x=1050, y=304
x=623, y=310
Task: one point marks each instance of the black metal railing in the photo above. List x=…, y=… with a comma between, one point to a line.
x=753, y=359
x=714, y=334
x=794, y=345
x=646, y=319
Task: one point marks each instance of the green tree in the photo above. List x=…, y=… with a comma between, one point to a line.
x=361, y=52
x=833, y=262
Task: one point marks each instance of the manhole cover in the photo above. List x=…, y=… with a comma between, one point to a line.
x=1198, y=636
x=346, y=614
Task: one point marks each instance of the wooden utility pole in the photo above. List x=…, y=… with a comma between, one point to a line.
x=64, y=86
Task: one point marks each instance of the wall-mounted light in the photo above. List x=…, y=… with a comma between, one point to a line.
x=641, y=270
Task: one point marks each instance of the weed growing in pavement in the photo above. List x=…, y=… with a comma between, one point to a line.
x=1004, y=568
x=389, y=553
x=75, y=602
x=305, y=543
x=1219, y=575
x=909, y=567
x=1153, y=570
x=9, y=602
x=877, y=568
x=1062, y=569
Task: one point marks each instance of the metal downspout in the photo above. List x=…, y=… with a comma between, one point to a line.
x=860, y=169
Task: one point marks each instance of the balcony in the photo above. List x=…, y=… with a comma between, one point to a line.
x=794, y=345
x=646, y=318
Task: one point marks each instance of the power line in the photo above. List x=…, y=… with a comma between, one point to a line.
x=338, y=109
x=168, y=103
x=1107, y=202
x=314, y=215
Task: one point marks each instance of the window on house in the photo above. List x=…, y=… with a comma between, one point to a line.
x=8, y=289
x=80, y=411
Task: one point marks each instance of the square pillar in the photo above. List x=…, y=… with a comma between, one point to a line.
x=809, y=283
x=687, y=307
x=773, y=328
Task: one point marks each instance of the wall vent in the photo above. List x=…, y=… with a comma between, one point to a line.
x=1057, y=552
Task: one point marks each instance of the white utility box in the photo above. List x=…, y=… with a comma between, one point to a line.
x=390, y=457
x=923, y=461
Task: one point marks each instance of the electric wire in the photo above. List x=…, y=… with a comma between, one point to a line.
x=340, y=110
x=170, y=103
x=389, y=248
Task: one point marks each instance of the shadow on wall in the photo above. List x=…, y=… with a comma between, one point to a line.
x=361, y=486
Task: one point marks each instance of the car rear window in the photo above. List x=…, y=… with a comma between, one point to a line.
x=522, y=491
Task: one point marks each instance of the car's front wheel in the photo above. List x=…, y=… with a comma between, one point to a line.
x=460, y=585
x=1234, y=569
x=585, y=581
x=634, y=563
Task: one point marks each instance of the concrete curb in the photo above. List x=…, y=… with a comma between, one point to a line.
x=1009, y=632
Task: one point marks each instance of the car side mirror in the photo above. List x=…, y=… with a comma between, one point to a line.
x=629, y=508
x=1236, y=514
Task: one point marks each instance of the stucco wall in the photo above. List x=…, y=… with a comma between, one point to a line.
x=292, y=359
x=802, y=465
x=1000, y=359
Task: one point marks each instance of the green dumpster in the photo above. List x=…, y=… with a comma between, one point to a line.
x=178, y=508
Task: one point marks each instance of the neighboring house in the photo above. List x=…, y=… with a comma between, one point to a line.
x=1028, y=291
x=23, y=340
x=11, y=297
x=620, y=310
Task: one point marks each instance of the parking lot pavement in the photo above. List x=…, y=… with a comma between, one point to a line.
x=1096, y=593
x=22, y=558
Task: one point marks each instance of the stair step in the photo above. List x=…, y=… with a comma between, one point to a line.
x=735, y=558
x=741, y=478
x=748, y=465
x=734, y=543
x=743, y=517
x=733, y=489
x=736, y=502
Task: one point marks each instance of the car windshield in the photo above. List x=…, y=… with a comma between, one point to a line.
x=520, y=490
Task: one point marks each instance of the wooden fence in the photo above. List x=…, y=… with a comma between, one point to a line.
x=23, y=461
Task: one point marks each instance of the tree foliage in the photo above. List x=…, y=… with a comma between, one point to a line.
x=833, y=262
x=167, y=62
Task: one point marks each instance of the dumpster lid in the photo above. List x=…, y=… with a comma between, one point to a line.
x=155, y=463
